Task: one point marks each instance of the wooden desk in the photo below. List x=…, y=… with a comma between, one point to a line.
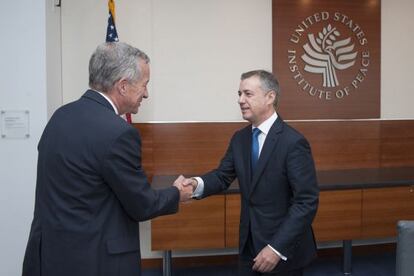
x=354, y=204
x=198, y=225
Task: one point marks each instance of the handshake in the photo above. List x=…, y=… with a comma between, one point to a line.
x=186, y=186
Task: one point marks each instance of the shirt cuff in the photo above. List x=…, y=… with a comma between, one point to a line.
x=198, y=192
x=277, y=253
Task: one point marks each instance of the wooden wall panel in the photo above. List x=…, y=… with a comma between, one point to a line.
x=397, y=143
x=338, y=216
x=382, y=209
x=232, y=220
x=147, y=149
x=342, y=144
x=190, y=148
x=199, y=224
x=195, y=148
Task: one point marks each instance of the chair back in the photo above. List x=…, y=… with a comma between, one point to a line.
x=405, y=248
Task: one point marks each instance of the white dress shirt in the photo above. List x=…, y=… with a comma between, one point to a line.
x=109, y=100
x=264, y=128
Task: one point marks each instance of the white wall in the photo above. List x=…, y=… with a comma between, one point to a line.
x=198, y=50
x=53, y=57
x=397, y=59
x=23, y=79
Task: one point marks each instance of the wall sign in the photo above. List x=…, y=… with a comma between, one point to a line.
x=326, y=55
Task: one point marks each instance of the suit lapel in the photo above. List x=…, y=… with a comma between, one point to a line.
x=267, y=150
x=246, y=151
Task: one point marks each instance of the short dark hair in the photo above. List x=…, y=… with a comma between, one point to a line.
x=268, y=82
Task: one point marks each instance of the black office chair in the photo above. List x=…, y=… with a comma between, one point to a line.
x=405, y=248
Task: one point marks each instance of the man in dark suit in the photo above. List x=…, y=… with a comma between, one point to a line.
x=277, y=180
x=91, y=189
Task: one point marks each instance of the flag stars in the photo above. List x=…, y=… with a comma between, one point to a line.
x=111, y=33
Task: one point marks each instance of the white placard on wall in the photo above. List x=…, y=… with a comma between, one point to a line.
x=14, y=124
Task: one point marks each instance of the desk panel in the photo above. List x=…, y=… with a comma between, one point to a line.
x=338, y=216
x=199, y=224
x=382, y=209
x=232, y=220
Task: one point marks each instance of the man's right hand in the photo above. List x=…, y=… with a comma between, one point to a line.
x=190, y=182
x=186, y=190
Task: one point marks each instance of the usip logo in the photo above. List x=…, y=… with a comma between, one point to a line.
x=335, y=48
x=324, y=55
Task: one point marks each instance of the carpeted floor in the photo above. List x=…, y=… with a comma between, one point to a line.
x=373, y=265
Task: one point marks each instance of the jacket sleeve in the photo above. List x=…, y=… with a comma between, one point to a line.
x=122, y=170
x=304, y=203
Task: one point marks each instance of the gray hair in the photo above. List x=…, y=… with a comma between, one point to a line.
x=268, y=82
x=113, y=61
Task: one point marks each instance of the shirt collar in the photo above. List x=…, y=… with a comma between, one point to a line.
x=109, y=100
x=266, y=125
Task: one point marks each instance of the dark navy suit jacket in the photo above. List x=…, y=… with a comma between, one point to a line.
x=279, y=200
x=91, y=192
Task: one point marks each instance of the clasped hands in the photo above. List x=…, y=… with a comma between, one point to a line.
x=186, y=186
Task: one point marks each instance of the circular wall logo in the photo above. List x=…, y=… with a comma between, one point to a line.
x=328, y=55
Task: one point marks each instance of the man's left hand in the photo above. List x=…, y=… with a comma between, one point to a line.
x=266, y=260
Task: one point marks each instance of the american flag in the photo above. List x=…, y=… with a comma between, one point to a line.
x=111, y=33
x=112, y=36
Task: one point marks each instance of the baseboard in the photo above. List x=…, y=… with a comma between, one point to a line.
x=192, y=261
x=232, y=259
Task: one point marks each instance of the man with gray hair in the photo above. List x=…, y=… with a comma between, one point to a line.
x=277, y=181
x=91, y=189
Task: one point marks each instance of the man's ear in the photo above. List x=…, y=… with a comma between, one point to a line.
x=271, y=95
x=121, y=86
